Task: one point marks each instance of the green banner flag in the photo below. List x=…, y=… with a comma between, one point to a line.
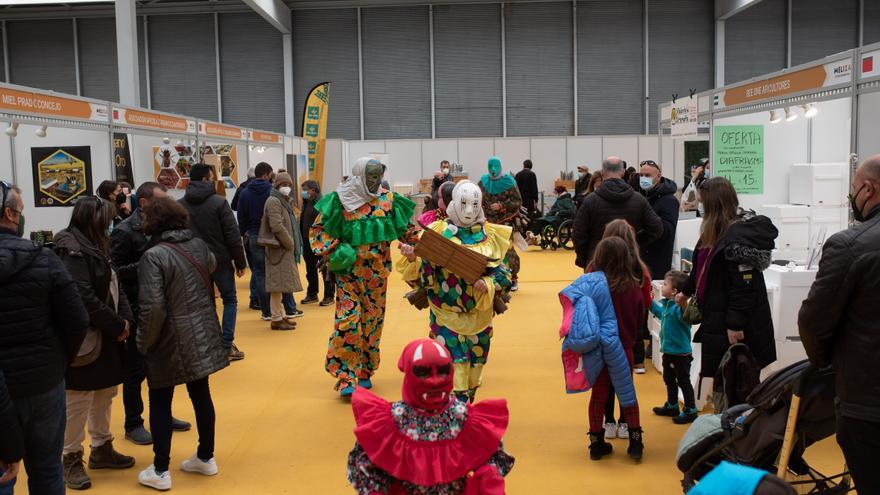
x=739, y=156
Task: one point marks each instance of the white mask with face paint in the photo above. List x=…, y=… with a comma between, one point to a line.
x=466, y=208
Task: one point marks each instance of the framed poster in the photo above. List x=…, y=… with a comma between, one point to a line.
x=61, y=174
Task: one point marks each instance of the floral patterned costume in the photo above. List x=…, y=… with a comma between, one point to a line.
x=510, y=201
x=402, y=450
x=357, y=245
x=460, y=317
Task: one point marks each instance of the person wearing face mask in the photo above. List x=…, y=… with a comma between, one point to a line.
x=430, y=442
x=444, y=199
x=461, y=313
x=353, y=232
x=311, y=194
x=441, y=177
x=43, y=325
x=660, y=193
x=582, y=184
x=283, y=246
x=838, y=325
x=690, y=194
x=501, y=204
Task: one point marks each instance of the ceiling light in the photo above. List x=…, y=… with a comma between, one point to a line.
x=810, y=110
x=49, y=2
x=790, y=114
x=41, y=132
x=12, y=130
x=775, y=116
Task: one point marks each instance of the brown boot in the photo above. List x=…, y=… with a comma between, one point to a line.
x=105, y=457
x=283, y=325
x=74, y=472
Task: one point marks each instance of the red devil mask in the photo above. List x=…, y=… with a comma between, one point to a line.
x=427, y=369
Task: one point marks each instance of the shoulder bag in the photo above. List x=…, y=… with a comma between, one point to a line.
x=198, y=266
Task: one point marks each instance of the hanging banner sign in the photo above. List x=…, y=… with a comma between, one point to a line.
x=265, y=137
x=739, y=156
x=51, y=106
x=314, y=128
x=684, y=117
x=222, y=131
x=155, y=121
x=817, y=77
x=122, y=159
x=871, y=64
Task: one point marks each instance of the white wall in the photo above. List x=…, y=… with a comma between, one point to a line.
x=787, y=143
x=869, y=125
x=56, y=218
x=413, y=160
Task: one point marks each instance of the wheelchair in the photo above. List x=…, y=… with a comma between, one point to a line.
x=554, y=234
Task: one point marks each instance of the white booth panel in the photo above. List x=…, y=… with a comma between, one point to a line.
x=333, y=167
x=667, y=161
x=869, y=125
x=358, y=149
x=474, y=155
x=785, y=144
x=56, y=218
x=513, y=151
x=548, y=158
x=584, y=150
x=626, y=147
x=435, y=151
x=6, y=157
x=830, y=136
x=649, y=148
x=406, y=156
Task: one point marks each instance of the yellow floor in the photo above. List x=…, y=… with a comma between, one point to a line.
x=282, y=429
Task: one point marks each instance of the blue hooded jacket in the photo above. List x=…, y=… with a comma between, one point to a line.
x=593, y=333
x=250, y=206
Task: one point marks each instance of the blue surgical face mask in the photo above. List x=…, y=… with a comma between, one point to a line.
x=646, y=183
x=305, y=194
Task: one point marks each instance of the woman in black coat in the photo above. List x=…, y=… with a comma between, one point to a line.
x=728, y=279
x=311, y=194
x=92, y=382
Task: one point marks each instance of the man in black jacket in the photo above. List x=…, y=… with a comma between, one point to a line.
x=614, y=200
x=211, y=220
x=43, y=325
x=527, y=182
x=660, y=192
x=311, y=193
x=127, y=244
x=838, y=325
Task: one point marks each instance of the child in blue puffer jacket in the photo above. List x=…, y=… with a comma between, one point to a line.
x=675, y=344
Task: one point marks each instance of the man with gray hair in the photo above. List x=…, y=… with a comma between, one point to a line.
x=838, y=325
x=614, y=200
x=43, y=325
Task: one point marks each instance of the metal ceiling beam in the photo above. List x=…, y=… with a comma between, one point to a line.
x=107, y=10
x=346, y=4
x=725, y=9
x=275, y=12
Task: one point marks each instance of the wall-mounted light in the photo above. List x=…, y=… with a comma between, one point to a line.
x=790, y=114
x=166, y=140
x=180, y=142
x=41, y=132
x=775, y=116
x=12, y=130
x=810, y=110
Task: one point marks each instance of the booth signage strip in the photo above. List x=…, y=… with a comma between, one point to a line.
x=151, y=120
x=36, y=103
x=222, y=131
x=804, y=80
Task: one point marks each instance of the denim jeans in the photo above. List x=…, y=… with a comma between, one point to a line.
x=254, y=297
x=258, y=281
x=43, y=418
x=131, y=386
x=224, y=278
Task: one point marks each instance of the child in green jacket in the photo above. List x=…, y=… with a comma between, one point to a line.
x=675, y=344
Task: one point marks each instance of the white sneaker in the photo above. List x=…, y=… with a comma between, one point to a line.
x=639, y=369
x=623, y=431
x=196, y=465
x=610, y=430
x=160, y=481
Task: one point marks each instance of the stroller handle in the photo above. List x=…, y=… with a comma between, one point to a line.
x=809, y=372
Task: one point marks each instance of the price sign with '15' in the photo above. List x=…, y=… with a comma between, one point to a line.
x=739, y=156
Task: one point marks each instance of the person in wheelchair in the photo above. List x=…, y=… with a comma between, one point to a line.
x=563, y=209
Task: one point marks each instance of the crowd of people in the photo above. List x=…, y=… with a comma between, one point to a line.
x=128, y=293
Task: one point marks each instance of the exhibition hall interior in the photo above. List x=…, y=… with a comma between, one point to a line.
x=439, y=247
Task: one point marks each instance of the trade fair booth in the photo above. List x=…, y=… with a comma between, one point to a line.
x=789, y=142
x=61, y=147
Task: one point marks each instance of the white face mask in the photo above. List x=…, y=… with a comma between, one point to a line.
x=285, y=190
x=701, y=210
x=467, y=204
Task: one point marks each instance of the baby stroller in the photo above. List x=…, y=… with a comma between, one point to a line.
x=785, y=414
